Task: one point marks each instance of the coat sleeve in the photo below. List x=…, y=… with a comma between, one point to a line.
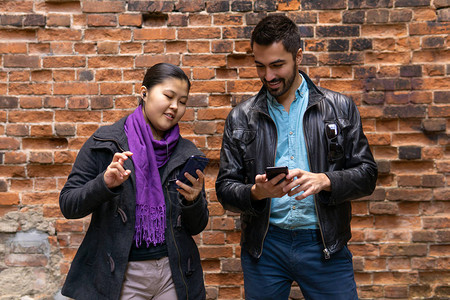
x=195, y=216
x=231, y=188
x=359, y=176
x=85, y=189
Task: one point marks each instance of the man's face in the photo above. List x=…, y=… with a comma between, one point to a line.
x=276, y=67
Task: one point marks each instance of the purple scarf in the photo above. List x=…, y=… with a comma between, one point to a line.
x=148, y=156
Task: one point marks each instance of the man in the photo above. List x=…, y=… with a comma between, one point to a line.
x=295, y=227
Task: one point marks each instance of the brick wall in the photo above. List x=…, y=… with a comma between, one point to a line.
x=68, y=67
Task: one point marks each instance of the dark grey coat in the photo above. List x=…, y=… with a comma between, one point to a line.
x=98, y=269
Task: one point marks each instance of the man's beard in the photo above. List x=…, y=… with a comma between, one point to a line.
x=285, y=85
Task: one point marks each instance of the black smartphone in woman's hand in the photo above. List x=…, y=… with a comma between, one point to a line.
x=195, y=162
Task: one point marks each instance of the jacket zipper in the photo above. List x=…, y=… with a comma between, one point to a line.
x=270, y=199
x=326, y=252
x=175, y=242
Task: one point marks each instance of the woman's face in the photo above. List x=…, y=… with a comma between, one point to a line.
x=164, y=105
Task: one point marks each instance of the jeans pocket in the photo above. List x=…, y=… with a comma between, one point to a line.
x=346, y=252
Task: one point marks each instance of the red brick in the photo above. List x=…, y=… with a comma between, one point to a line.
x=41, y=130
x=102, y=20
x=75, y=88
x=41, y=75
x=69, y=225
x=9, y=198
x=45, y=184
x=30, y=88
x=230, y=293
x=154, y=34
x=213, y=238
x=8, y=143
x=12, y=171
x=62, y=157
x=13, y=48
x=64, y=62
x=26, y=260
x=63, y=75
x=40, y=198
x=208, y=87
x=104, y=7
x=21, y=61
x=115, y=88
x=403, y=250
x=59, y=35
x=213, y=114
x=223, y=224
x=131, y=48
x=228, y=20
x=55, y=20
x=417, y=167
x=395, y=277
x=427, y=28
x=149, y=60
x=17, y=130
x=108, y=34
x=77, y=116
x=78, y=103
x=41, y=157
x=130, y=20
x=224, y=279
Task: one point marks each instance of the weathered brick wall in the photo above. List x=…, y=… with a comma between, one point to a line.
x=68, y=67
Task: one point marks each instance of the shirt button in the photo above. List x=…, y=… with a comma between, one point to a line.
x=292, y=157
x=293, y=207
x=291, y=133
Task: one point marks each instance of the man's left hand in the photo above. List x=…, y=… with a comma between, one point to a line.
x=306, y=182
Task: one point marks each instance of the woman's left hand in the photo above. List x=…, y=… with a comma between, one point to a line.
x=191, y=193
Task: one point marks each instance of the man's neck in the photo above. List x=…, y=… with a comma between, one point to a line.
x=287, y=98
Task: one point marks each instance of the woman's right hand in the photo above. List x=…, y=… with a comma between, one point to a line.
x=115, y=174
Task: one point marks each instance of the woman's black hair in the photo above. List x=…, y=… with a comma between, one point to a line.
x=160, y=72
x=275, y=28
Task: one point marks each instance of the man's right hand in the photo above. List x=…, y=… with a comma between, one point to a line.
x=115, y=174
x=264, y=188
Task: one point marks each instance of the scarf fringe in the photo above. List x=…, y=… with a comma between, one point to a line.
x=150, y=225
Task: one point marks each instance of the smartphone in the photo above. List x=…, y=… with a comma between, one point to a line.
x=195, y=162
x=271, y=172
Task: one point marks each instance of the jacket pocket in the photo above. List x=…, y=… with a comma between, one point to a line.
x=92, y=248
x=245, y=140
x=335, y=133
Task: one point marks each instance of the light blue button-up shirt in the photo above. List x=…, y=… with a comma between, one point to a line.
x=286, y=212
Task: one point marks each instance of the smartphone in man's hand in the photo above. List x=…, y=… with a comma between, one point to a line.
x=272, y=172
x=195, y=162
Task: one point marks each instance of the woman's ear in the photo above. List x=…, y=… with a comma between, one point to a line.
x=143, y=93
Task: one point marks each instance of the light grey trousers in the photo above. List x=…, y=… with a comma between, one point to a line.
x=149, y=279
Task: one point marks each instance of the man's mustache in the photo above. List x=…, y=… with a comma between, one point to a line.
x=274, y=81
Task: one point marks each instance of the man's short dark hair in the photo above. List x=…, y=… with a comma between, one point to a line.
x=276, y=28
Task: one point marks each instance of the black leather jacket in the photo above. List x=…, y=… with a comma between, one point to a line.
x=249, y=146
x=98, y=269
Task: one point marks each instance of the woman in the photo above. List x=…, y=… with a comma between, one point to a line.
x=139, y=243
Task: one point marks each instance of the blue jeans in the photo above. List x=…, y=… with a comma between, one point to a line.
x=296, y=255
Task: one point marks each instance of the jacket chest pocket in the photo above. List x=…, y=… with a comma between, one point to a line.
x=245, y=141
x=336, y=133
